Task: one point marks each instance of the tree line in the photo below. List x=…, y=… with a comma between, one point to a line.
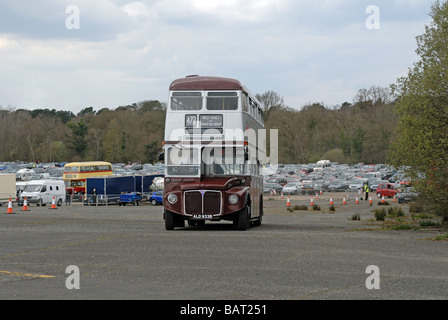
x=350, y=133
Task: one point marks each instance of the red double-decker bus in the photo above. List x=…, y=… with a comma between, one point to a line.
x=211, y=152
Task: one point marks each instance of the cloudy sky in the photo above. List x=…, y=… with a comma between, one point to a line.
x=72, y=54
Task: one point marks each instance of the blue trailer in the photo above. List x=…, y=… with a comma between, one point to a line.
x=107, y=189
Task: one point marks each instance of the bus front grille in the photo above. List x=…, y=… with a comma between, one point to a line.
x=202, y=202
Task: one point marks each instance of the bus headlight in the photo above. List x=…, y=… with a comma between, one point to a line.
x=233, y=199
x=172, y=198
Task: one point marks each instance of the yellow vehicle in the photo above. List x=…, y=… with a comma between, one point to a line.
x=76, y=173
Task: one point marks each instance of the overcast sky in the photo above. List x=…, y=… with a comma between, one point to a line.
x=73, y=54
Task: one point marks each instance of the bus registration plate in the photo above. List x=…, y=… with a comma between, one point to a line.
x=202, y=216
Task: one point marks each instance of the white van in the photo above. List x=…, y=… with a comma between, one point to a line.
x=42, y=192
x=321, y=165
x=25, y=174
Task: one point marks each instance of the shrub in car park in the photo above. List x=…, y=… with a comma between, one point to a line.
x=380, y=214
x=415, y=207
x=300, y=207
x=395, y=212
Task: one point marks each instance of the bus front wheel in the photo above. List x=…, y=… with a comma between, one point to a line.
x=242, y=218
x=172, y=220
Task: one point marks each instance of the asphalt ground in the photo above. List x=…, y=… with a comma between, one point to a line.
x=125, y=253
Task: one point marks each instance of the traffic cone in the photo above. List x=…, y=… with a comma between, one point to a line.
x=357, y=200
x=343, y=201
x=317, y=196
x=370, y=199
x=288, y=203
x=53, y=204
x=395, y=200
x=281, y=195
x=331, y=200
x=311, y=202
x=382, y=199
x=25, y=205
x=9, y=210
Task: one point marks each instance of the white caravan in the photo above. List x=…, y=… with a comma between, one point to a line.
x=42, y=192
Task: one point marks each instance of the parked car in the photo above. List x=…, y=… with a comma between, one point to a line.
x=337, y=185
x=268, y=187
x=280, y=181
x=357, y=184
x=156, y=198
x=308, y=188
x=406, y=195
x=291, y=188
x=386, y=190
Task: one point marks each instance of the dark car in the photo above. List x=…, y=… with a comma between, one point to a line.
x=268, y=187
x=156, y=198
x=407, y=195
x=280, y=181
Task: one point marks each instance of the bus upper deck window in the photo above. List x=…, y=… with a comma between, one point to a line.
x=186, y=101
x=222, y=101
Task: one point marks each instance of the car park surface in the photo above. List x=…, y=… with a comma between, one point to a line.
x=126, y=253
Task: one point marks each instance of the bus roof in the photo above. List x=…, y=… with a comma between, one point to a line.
x=87, y=163
x=206, y=83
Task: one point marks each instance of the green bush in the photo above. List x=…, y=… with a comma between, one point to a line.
x=415, y=207
x=428, y=223
x=395, y=212
x=316, y=207
x=380, y=214
x=300, y=207
x=402, y=227
x=356, y=216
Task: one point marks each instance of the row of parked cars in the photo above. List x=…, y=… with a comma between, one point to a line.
x=384, y=181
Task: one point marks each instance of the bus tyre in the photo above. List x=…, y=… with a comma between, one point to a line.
x=169, y=220
x=172, y=221
x=241, y=221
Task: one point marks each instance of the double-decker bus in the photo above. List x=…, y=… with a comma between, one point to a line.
x=76, y=173
x=212, y=170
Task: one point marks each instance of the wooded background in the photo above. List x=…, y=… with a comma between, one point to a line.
x=359, y=131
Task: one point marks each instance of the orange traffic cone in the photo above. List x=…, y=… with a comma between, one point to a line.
x=395, y=200
x=357, y=200
x=317, y=196
x=281, y=195
x=53, y=204
x=382, y=199
x=331, y=200
x=370, y=199
x=288, y=203
x=311, y=202
x=9, y=210
x=343, y=200
x=25, y=205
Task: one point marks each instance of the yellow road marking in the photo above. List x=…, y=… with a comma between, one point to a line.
x=29, y=275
